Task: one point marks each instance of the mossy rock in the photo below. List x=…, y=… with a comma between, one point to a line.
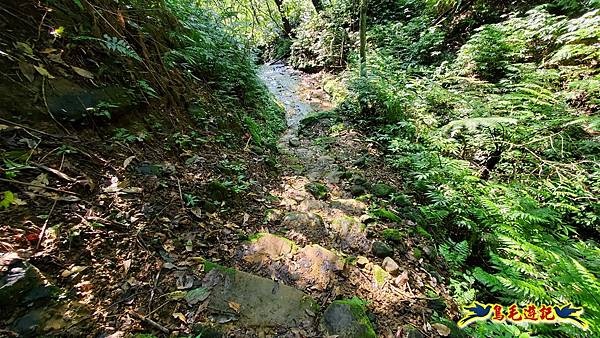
x=347, y=318
x=382, y=190
x=393, y=235
x=381, y=249
x=209, y=266
x=318, y=190
x=312, y=119
x=384, y=213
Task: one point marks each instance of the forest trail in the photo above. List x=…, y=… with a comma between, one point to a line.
x=324, y=238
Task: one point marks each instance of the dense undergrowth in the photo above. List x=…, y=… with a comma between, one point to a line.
x=499, y=144
x=153, y=56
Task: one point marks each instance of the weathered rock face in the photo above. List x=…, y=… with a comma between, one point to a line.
x=350, y=232
x=69, y=101
x=351, y=206
x=302, y=219
x=347, y=319
x=265, y=245
x=316, y=266
x=255, y=301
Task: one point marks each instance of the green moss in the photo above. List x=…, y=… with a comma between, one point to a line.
x=393, y=235
x=316, y=117
x=318, y=190
x=384, y=213
x=380, y=275
x=382, y=190
x=421, y=231
x=209, y=266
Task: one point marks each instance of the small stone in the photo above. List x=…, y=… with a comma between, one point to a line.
x=381, y=249
x=357, y=190
x=347, y=318
x=362, y=261
x=391, y=266
x=294, y=142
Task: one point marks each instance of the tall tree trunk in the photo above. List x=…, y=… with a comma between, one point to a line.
x=363, y=38
x=287, y=27
x=318, y=4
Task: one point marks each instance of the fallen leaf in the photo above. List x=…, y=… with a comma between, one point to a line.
x=442, y=329
x=43, y=72
x=234, y=306
x=169, y=266
x=180, y=316
x=196, y=296
x=28, y=70
x=126, y=265
x=127, y=161
x=56, y=58
x=197, y=212
x=73, y=270
x=82, y=72
x=176, y=295
x=24, y=48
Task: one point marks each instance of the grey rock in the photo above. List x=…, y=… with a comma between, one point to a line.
x=302, y=219
x=17, y=278
x=357, y=190
x=381, y=249
x=294, y=142
x=391, y=266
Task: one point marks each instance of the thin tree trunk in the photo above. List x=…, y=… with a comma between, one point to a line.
x=318, y=4
x=363, y=38
x=287, y=27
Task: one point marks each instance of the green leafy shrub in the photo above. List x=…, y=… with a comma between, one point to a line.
x=486, y=54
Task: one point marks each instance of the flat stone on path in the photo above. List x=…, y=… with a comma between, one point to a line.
x=301, y=220
x=316, y=266
x=265, y=245
x=349, y=205
x=255, y=301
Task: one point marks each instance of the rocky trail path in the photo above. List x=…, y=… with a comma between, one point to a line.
x=314, y=244
x=334, y=264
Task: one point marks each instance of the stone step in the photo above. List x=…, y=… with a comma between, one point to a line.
x=254, y=301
